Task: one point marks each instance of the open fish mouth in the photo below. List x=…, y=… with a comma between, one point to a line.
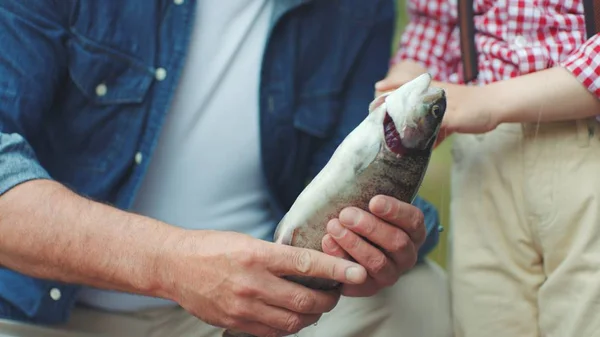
x=415, y=129
x=392, y=137
x=423, y=111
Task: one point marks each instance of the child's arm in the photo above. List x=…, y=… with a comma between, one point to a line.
x=550, y=95
x=570, y=91
x=554, y=94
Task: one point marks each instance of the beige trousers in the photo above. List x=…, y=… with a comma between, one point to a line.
x=525, y=228
x=417, y=306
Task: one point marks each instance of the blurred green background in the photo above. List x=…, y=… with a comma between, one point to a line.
x=436, y=189
x=436, y=185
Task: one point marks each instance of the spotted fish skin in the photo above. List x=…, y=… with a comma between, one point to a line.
x=370, y=161
x=379, y=178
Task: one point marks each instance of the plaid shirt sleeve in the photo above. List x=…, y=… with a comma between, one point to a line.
x=429, y=38
x=584, y=64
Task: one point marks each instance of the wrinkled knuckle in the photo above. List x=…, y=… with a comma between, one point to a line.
x=249, y=259
x=332, y=271
x=399, y=243
x=418, y=220
x=395, y=246
x=302, y=261
x=293, y=323
x=239, y=311
x=377, y=263
x=353, y=242
x=245, y=290
x=303, y=302
x=368, y=227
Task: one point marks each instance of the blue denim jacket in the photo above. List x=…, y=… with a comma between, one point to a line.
x=80, y=102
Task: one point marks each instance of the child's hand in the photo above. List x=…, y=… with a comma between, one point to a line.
x=469, y=109
x=399, y=74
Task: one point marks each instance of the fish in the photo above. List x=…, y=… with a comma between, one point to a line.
x=388, y=153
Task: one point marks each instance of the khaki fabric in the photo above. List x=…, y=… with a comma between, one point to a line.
x=525, y=228
x=417, y=306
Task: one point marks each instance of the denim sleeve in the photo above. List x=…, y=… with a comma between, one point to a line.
x=372, y=66
x=17, y=162
x=32, y=61
x=432, y=225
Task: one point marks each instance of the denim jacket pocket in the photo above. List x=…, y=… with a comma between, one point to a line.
x=105, y=75
x=98, y=117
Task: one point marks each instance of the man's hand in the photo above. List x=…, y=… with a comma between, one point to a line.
x=234, y=281
x=227, y=279
x=385, y=241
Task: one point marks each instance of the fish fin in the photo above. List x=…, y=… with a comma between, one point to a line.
x=279, y=236
x=368, y=155
x=378, y=101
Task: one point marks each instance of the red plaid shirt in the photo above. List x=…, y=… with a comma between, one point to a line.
x=513, y=37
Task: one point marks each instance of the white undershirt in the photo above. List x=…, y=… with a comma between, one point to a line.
x=206, y=171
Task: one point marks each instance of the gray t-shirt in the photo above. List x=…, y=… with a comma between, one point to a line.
x=206, y=171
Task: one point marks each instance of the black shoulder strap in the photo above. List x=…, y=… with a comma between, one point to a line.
x=591, y=9
x=467, y=40
x=467, y=32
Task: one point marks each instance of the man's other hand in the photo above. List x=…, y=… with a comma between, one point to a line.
x=385, y=241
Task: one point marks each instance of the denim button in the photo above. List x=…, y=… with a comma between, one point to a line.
x=55, y=294
x=160, y=74
x=138, y=158
x=101, y=89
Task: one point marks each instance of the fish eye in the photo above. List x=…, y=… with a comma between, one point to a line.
x=435, y=110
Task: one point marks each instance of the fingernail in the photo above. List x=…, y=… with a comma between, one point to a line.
x=381, y=206
x=350, y=217
x=337, y=230
x=379, y=84
x=353, y=275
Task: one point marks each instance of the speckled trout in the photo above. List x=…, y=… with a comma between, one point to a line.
x=387, y=153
